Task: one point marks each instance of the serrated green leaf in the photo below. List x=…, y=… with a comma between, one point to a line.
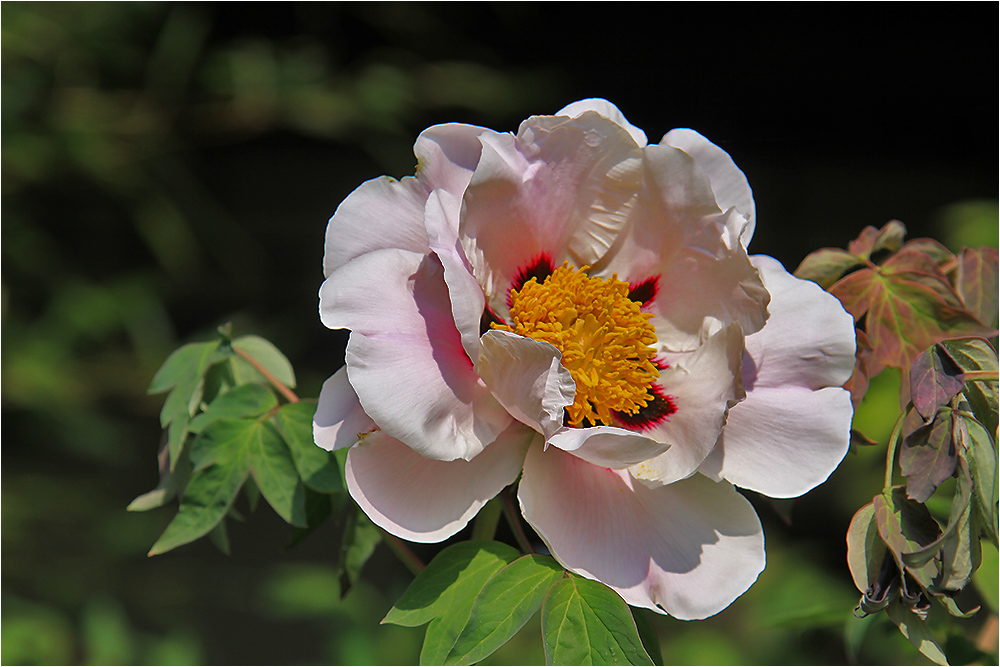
x=505, y=604
x=206, y=500
x=916, y=630
x=977, y=282
x=249, y=400
x=827, y=265
x=928, y=456
x=188, y=362
x=318, y=468
x=172, y=481
x=586, y=623
x=935, y=379
x=444, y=593
x=908, y=305
x=267, y=355
x=906, y=526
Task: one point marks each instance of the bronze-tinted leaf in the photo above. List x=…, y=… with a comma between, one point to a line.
x=928, y=456
x=827, y=265
x=935, y=379
x=907, y=526
x=977, y=283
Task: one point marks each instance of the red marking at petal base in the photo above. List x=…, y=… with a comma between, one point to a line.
x=645, y=291
x=540, y=267
x=656, y=412
x=488, y=317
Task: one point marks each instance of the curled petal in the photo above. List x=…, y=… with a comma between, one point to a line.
x=405, y=357
x=447, y=155
x=794, y=427
x=702, y=385
x=607, y=446
x=424, y=500
x=608, y=110
x=339, y=420
x=687, y=549
x=728, y=182
x=526, y=376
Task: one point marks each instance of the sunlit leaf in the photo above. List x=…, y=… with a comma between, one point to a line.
x=906, y=526
x=317, y=467
x=935, y=379
x=586, y=623
x=915, y=629
x=505, y=604
x=908, y=305
x=874, y=241
x=973, y=355
x=249, y=400
x=827, y=266
x=186, y=362
x=444, y=593
x=267, y=355
x=927, y=456
x=647, y=633
x=977, y=282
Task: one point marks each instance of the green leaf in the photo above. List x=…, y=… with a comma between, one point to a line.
x=586, y=623
x=267, y=355
x=318, y=468
x=827, y=265
x=185, y=363
x=928, y=457
x=444, y=593
x=908, y=305
x=358, y=547
x=318, y=508
x=220, y=537
x=935, y=379
x=864, y=547
x=506, y=603
x=906, y=526
x=207, y=498
x=249, y=400
x=978, y=452
x=873, y=241
x=987, y=577
x=172, y=481
x=916, y=630
x=972, y=355
x=647, y=633
x=977, y=282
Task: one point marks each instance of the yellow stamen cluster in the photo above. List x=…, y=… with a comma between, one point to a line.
x=604, y=338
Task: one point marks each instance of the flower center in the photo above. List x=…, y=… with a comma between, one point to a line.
x=604, y=338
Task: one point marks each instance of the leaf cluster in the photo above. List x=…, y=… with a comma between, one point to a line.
x=475, y=596
x=228, y=430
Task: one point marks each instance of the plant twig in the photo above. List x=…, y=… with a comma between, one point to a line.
x=278, y=384
x=485, y=526
x=513, y=518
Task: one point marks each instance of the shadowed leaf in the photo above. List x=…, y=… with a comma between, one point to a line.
x=977, y=283
x=927, y=457
x=935, y=379
x=906, y=526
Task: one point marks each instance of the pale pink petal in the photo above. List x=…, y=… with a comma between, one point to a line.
x=728, y=182
x=447, y=155
x=405, y=357
x=380, y=213
x=701, y=385
x=688, y=549
x=526, y=376
x=424, y=500
x=339, y=418
x=794, y=427
x=467, y=299
x=562, y=188
x=606, y=446
x=608, y=110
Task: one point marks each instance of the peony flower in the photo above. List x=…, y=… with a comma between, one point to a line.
x=576, y=307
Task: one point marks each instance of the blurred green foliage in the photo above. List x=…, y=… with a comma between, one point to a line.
x=170, y=167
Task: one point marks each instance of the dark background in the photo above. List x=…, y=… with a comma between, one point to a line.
x=171, y=167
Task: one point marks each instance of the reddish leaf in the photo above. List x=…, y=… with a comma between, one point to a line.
x=827, y=265
x=889, y=239
x=908, y=306
x=928, y=456
x=938, y=252
x=977, y=282
x=934, y=379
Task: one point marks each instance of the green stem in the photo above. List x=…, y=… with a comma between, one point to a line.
x=891, y=453
x=514, y=519
x=403, y=553
x=485, y=526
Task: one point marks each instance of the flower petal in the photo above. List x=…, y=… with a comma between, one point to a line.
x=688, y=549
x=526, y=376
x=794, y=427
x=563, y=188
x=608, y=110
x=606, y=446
x=380, y=213
x=424, y=500
x=405, y=357
x=447, y=155
x=339, y=417
x=728, y=182
x=701, y=385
